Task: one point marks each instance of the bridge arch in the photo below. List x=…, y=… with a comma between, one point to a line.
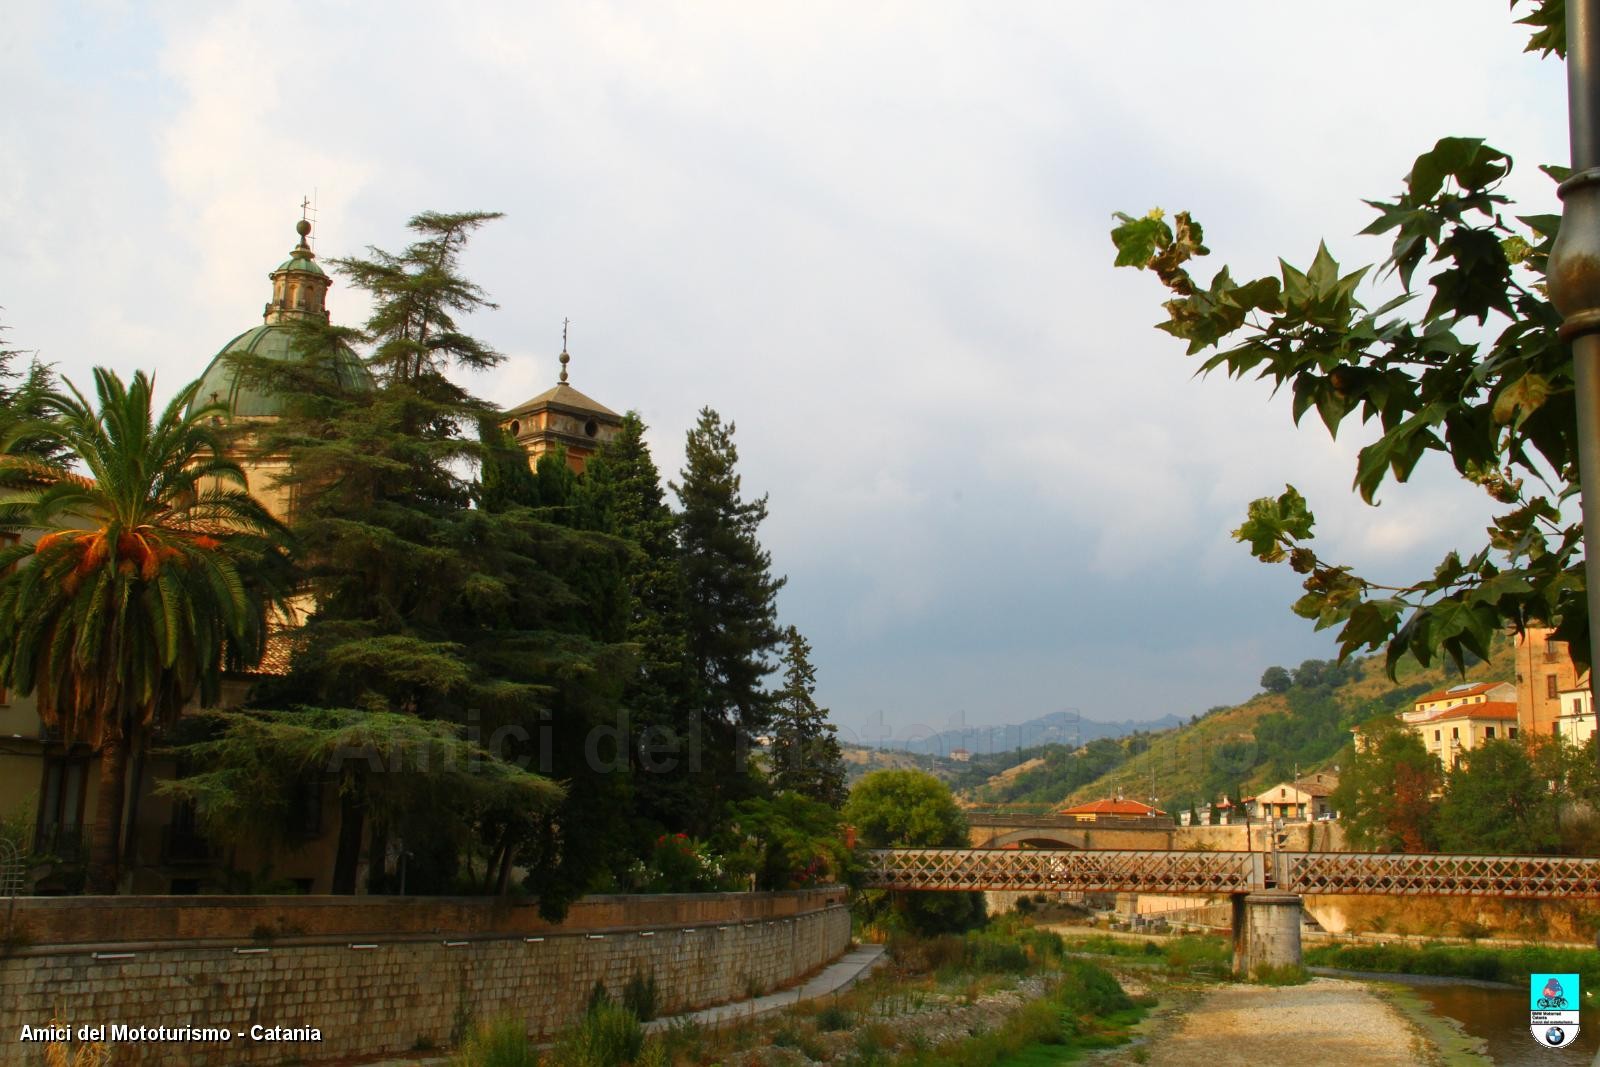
x=1040, y=837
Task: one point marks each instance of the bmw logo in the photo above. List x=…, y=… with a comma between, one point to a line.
x=1554, y=1036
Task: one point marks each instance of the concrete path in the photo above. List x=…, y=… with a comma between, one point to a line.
x=836, y=977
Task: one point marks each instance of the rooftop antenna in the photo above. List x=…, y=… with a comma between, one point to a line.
x=308, y=210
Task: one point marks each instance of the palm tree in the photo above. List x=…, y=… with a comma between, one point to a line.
x=160, y=570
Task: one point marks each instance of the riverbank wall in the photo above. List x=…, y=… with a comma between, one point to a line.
x=315, y=979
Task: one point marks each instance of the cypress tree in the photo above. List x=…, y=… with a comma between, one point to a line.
x=622, y=495
x=730, y=603
x=805, y=752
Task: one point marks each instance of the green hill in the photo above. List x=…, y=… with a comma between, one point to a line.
x=1272, y=736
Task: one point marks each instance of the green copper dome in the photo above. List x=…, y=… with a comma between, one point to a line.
x=300, y=263
x=275, y=342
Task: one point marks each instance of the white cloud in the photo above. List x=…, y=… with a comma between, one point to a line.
x=873, y=236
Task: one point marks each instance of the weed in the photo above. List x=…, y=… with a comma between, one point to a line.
x=607, y=1036
x=641, y=996
x=502, y=1042
x=1280, y=974
x=833, y=1018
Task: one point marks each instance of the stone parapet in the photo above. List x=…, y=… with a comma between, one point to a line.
x=387, y=996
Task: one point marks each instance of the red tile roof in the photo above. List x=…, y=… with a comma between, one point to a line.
x=1500, y=710
x=1112, y=807
x=1456, y=694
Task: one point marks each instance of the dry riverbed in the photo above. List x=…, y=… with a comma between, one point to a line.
x=1324, y=1021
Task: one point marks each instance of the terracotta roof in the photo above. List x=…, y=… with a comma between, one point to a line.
x=1456, y=694
x=1112, y=807
x=1490, y=709
x=275, y=660
x=1312, y=787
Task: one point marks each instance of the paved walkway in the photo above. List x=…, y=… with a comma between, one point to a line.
x=836, y=977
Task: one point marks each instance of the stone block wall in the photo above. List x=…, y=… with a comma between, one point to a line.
x=368, y=997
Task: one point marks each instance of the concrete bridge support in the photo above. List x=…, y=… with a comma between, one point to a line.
x=1266, y=931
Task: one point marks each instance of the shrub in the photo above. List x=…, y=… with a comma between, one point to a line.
x=641, y=996
x=833, y=1018
x=1087, y=989
x=608, y=1036
x=501, y=1043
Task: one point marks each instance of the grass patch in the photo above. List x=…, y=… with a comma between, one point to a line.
x=502, y=1042
x=1191, y=955
x=1512, y=964
x=1280, y=974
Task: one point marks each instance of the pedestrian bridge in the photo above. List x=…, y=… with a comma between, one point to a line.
x=1215, y=873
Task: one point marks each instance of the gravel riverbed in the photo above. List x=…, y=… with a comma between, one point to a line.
x=1323, y=1021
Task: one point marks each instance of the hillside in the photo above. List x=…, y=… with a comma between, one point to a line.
x=1057, y=728
x=1267, y=738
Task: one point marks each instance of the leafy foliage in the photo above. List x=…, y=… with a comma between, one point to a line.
x=909, y=809
x=1478, y=374
x=1386, y=795
x=155, y=574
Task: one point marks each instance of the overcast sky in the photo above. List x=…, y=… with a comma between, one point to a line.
x=874, y=235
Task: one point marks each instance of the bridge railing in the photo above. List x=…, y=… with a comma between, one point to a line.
x=1438, y=874
x=1210, y=873
x=1075, y=870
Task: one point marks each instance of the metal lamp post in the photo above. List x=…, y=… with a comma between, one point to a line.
x=1573, y=275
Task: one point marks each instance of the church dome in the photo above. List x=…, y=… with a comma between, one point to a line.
x=299, y=293
x=220, y=382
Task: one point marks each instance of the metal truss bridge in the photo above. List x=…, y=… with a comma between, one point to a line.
x=1216, y=873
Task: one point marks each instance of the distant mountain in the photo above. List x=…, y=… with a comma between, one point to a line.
x=1056, y=728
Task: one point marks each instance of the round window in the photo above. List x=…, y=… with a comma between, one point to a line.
x=591, y=427
x=516, y=427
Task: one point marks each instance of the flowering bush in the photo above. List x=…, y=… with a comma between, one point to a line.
x=680, y=864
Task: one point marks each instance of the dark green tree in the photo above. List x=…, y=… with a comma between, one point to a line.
x=804, y=754
x=1496, y=801
x=1276, y=680
x=909, y=809
x=23, y=407
x=730, y=604
x=1477, y=372
x=493, y=621
x=621, y=495
x=1386, y=795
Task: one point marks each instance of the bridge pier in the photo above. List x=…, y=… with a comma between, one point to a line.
x=1266, y=931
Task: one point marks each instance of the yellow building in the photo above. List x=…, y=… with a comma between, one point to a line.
x=562, y=417
x=1461, y=729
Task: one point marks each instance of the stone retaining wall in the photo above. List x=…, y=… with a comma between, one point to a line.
x=371, y=996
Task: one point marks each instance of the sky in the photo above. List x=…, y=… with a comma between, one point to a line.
x=873, y=236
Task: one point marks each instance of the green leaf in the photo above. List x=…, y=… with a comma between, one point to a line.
x=1273, y=521
x=1138, y=239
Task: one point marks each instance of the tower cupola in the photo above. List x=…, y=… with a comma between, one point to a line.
x=299, y=286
